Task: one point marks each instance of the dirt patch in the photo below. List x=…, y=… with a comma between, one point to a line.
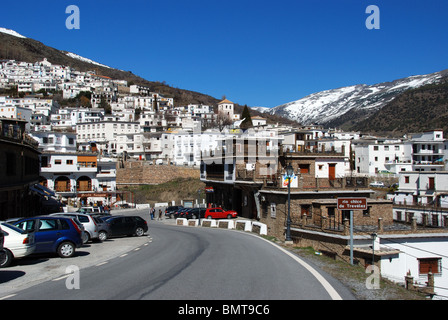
x=176, y=190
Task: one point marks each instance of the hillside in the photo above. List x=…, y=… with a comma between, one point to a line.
x=29, y=50
x=16, y=47
x=415, y=110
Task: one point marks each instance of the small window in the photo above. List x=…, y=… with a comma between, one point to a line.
x=427, y=265
x=304, y=168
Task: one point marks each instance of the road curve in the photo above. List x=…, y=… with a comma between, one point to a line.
x=188, y=263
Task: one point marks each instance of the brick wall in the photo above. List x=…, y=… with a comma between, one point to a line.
x=144, y=172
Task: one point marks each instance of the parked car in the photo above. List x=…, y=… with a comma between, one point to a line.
x=90, y=226
x=171, y=210
x=17, y=244
x=54, y=234
x=126, y=226
x=377, y=184
x=194, y=213
x=103, y=227
x=180, y=213
x=88, y=210
x=219, y=213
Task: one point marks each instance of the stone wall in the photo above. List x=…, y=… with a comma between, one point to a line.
x=145, y=172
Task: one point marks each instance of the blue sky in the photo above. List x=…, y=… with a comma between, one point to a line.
x=259, y=53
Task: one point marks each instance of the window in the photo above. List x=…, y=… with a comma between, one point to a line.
x=69, y=162
x=48, y=224
x=427, y=265
x=304, y=168
x=273, y=210
x=57, y=161
x=366, y=213
x=406, y=179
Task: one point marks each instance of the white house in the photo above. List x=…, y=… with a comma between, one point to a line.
x=55, y=140
x=374, y=156
x=419, y=254
x=79, y=176
x=102, y=136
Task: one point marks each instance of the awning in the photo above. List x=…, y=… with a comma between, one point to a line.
x=48, y=192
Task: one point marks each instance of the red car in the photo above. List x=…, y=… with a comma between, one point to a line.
x=219, y=213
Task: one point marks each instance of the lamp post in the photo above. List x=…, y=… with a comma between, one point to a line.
x=289, y=173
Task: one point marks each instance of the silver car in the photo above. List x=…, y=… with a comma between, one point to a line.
x=89, y=224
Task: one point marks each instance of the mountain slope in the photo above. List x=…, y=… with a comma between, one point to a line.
x=416, y=110
x=345, y=106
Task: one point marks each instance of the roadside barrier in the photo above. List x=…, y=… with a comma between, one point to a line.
x=246, y=225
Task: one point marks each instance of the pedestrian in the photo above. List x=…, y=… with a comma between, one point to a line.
x=151, y=213
x=160, y=214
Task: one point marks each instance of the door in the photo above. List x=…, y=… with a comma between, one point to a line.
x=331, y=171
x=47, y=233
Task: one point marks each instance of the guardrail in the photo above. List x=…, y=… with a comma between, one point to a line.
x=245, y=225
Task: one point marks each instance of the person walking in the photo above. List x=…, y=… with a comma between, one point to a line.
x=160, y=214
x=151, y=213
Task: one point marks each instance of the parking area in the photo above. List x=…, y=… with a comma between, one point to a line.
x=30, y=270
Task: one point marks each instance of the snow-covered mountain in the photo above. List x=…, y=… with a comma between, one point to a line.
x=11, y=32
x=327, y=106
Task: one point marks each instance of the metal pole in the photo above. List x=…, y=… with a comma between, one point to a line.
x=288, y=221
x=199, y=205
x=351, y=237
x=373, y=248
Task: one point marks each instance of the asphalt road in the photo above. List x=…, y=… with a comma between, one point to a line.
x=179, y=263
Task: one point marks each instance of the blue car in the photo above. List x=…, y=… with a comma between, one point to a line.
x=61, y=235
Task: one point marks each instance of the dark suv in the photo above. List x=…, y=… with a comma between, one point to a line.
x=61, y=235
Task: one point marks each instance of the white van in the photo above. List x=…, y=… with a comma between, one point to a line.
x=377, y=184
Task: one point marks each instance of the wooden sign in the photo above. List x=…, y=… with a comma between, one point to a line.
x=352, y=203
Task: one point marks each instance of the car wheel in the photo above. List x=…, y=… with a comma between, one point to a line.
x=85, y=237
x=229, y=216
x=209, y=217
x=66, y=249
x=139, y=231
x=102, y=235
x=7, y=259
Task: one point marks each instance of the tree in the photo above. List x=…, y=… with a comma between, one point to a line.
x=247, y=120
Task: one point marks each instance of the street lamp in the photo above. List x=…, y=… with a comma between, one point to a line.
x=289, y=173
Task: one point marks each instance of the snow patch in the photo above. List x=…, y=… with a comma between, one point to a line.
x=78, y=57
x=11, y=32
